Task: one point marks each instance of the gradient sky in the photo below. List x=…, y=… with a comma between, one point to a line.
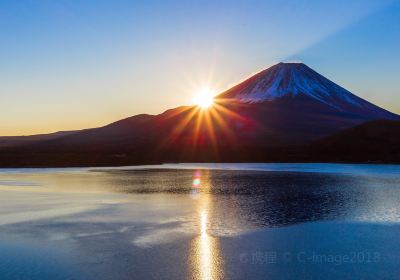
x=76, y=64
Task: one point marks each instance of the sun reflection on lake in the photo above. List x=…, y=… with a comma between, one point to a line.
x=206, y=263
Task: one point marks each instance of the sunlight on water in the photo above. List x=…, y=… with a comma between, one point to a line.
x=203, y=224
x=205, y=248
x=208, y=254
x=197, y=223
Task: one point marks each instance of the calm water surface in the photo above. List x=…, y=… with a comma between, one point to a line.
x=201, y=221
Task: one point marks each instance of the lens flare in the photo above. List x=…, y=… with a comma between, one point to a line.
x=196, y=180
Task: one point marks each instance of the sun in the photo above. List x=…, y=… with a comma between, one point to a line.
x=204, y=98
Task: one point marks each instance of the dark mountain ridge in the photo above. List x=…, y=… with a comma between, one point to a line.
x=265, y=118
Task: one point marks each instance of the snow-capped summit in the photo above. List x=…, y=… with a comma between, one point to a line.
x=287, y=80
x=276, y=115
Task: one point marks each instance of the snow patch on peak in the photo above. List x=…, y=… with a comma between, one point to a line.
x=290, y=80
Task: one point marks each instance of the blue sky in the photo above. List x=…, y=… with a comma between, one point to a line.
x=76, y=64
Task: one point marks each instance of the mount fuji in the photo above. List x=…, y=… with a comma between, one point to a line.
x=297, y=80
x=264, y=118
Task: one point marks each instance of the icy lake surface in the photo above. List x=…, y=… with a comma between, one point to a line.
x=201, y=221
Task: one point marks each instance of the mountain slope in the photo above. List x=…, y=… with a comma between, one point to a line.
x=260, y=119
x=293, y=80
x=375, y=141
x=13, y=141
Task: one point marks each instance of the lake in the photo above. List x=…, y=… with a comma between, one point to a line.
x=201, y=221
